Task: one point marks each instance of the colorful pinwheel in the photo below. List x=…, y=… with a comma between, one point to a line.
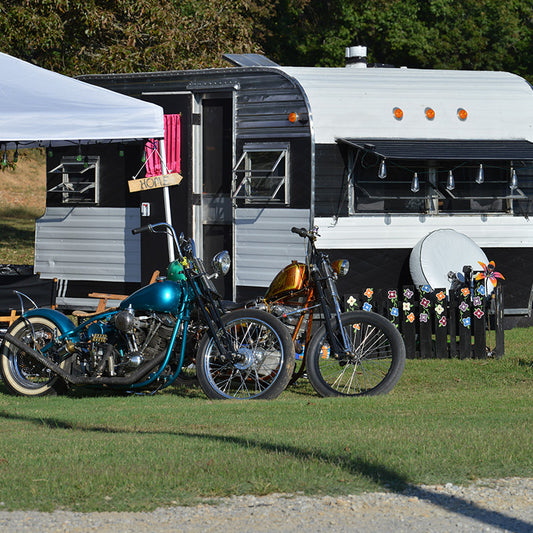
x=489, y=273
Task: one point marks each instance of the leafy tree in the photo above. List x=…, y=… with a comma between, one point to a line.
x=79, y=37
x=459, y=34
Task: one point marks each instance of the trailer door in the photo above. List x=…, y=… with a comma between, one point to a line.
x=216, y=216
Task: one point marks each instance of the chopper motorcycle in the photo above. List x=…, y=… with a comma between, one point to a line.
x=347, y=354
x=141, y=345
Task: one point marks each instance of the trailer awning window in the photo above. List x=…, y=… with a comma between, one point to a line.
x=386, y=175
x=76, y=179
x=420, y=149
x=261, y=174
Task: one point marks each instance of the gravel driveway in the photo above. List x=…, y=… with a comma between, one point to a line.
x=488, y=506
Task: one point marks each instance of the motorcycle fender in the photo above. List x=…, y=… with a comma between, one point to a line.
x=63, y=323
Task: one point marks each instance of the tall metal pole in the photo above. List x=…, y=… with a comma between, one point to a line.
x=166, y=200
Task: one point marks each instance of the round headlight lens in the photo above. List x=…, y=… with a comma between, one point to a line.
x=222, y=262
x=341, y=266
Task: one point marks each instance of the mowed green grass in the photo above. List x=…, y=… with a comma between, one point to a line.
x=446, y=421
x=22, y=200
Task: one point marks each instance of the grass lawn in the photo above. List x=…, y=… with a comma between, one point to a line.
x=22, y=200
x=446, y=421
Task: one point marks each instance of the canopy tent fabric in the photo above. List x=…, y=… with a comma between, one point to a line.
x=423, y=149
x=38, y=106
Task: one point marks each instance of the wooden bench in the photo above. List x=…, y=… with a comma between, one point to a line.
x=9, y=318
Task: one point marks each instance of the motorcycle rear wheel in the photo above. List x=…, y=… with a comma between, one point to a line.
x=265, y=364
x=374, y=366
x=22, y=374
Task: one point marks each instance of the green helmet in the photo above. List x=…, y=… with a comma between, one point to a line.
x=175, y=272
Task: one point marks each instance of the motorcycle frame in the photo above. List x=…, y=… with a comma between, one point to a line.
x=321, y=275
x=68, y=331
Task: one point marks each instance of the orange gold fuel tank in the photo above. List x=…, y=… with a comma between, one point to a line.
x=291, y=278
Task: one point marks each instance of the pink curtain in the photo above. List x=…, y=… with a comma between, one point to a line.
x=172, y=148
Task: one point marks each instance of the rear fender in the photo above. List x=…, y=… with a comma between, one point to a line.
x=63, y=323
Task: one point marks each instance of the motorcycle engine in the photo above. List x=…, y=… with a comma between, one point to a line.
x=121, y=346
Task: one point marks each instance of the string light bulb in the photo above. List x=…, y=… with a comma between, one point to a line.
x=4, y=159
x=16, y=154
x=382, y=173
x=450, y=184
x=514, y=180
x=480, y=177
x=415, y=184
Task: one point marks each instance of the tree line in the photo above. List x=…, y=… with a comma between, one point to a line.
x=102, y=36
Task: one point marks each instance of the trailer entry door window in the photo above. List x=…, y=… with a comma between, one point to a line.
x=261, y=174
x=76, y=180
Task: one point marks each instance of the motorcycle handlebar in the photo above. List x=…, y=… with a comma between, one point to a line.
x=300, y=231
x=142, y=229
x=160, y=227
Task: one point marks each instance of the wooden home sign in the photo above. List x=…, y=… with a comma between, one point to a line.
x=155, y=182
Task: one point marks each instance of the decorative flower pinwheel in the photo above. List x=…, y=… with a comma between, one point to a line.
x=489, y=273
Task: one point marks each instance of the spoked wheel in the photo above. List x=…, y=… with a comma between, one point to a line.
x=373, y=365
x=21, y=373
x=260, y=362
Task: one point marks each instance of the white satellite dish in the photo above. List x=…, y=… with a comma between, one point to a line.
x=443, y=251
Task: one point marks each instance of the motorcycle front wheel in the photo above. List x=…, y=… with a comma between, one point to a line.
x=258, y=364
x=373, y=365
x=21, y=373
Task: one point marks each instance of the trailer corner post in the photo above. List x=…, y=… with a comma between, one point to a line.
x=166, y=200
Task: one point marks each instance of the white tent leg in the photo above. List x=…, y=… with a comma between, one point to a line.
x=166, y=200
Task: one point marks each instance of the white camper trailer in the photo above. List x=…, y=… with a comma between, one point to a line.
x=377, y=158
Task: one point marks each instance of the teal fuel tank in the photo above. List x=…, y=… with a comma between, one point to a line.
x=163, y=297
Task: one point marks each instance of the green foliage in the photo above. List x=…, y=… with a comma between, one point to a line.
x=466, y=34
x=99, y=36
x=79, y=37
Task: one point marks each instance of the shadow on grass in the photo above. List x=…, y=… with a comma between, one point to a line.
x=379, y=474
x=20, y=236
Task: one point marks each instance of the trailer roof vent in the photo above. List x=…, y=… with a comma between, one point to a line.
x=356, y=56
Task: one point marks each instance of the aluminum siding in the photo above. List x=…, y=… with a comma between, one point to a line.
x=265, y=244
x=404, y=231
x=88, y=243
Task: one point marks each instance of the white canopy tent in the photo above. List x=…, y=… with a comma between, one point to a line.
x=39, y=107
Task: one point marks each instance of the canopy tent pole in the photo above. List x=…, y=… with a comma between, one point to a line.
x=166, y=200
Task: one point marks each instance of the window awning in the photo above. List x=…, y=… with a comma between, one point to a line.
x=423, y=149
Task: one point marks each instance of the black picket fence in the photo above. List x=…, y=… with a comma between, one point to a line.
x=462, y=323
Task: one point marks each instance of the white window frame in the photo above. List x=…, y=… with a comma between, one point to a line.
x=71, y=189
x=244, y=174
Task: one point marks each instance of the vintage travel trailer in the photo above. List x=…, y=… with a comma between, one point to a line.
x=378, y=158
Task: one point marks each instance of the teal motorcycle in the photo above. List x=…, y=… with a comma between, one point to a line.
x=141, y=345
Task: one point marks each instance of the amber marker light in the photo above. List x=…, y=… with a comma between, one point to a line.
x=398, y=113
x=430, y=113
x=293, y=117
x=462, y=114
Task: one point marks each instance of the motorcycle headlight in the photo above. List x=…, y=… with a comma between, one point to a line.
x=341, y=266
x=222, y=262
